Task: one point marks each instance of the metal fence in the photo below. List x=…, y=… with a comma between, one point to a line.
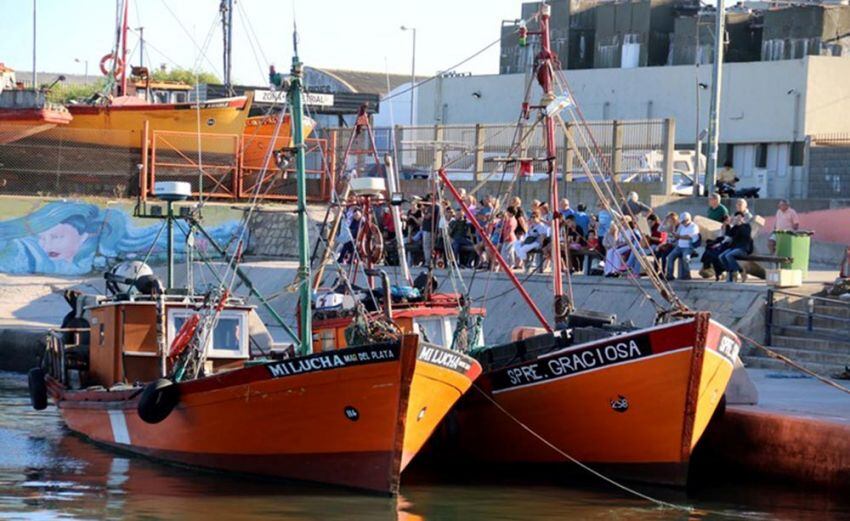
x=65, y=161
x=112, y=163
x=470, y=152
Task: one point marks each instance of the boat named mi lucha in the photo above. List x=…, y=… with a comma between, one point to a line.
x=189, y=379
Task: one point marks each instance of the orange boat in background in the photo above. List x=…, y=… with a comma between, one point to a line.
x=122, y=125
x=634, y=405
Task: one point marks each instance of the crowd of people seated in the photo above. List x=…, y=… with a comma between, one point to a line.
x=614, y=242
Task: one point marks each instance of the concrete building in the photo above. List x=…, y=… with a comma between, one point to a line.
x=641, y=33
x=693, y=38
x=770, y=110
x=513, y=58
x=633, y=33
x=806, y=30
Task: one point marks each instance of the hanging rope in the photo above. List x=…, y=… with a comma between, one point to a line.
x=624, y=488
x=784, y=359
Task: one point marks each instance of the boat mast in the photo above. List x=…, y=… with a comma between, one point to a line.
x=123, y=91
x=546, y=62
x=295, y=87
x=226, y=9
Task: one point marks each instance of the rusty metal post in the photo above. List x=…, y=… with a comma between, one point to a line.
x=438, y=148
x=143, y=174
x=616, y=149
x=480, y=134
x=669, y=141
x=569, y=157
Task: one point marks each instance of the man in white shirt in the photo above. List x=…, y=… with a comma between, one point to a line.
x=534, y=237
x=686, y=235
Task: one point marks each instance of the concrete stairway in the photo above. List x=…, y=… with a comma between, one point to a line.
x=823, y=348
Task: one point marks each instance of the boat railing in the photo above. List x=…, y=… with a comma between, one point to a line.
x=62, y=354
x=808, y=313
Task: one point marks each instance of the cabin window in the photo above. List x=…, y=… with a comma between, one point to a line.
x=433, y=330
x=229, y=338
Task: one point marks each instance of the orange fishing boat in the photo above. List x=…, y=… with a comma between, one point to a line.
x=337, y=417
x=196, y=379
x=118, y=119
x=214, y=125
x=634, y=404
x=443, y=374
x=630, y=401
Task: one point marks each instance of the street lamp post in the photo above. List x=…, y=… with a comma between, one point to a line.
x=86, y=69
x=412, y=70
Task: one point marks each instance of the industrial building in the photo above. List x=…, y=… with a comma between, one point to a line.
x=806, y=30
x=646, y=33
x=693, y=37
x=633, y=34
x=773, y=117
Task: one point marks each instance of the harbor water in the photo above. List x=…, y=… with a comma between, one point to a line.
x=48, y=473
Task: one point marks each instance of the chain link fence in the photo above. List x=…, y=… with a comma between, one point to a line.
x=66, y=162
x=69, y=162
x=80, y=162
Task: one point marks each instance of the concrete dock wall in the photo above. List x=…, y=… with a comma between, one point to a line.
x=738, y=306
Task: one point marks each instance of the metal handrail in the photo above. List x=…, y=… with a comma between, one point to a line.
x=815, y=297
x=809, y=313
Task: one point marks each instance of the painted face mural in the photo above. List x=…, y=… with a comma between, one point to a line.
x=62, y=241
x=75, y=238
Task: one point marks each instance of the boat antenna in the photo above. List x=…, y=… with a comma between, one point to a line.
x=297, y=115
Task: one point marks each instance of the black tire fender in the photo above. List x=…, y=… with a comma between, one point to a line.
x=37, y=388
x=158, y=400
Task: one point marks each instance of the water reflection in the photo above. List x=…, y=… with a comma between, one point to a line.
x=47, y=473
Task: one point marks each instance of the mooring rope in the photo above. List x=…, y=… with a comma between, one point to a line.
x=784, y=359
x=659, y=502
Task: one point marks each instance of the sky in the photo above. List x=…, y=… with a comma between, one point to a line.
x=342, y=34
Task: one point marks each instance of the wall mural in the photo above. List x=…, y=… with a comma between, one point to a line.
x=76, y=238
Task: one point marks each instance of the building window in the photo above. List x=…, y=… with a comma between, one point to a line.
x=798, y=152
x=761, y=155
x=724, y=153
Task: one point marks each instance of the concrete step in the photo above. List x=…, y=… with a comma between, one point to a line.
x=814, y=344
x=763, y=362
x=836, y=323
x=835, y=310
x=812, y=355
x=840, y=335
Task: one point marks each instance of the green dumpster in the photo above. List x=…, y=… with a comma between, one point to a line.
x=794, y=244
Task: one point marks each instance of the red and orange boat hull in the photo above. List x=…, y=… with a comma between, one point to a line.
x=634, y=404
x=350, y=417
x=19, y=124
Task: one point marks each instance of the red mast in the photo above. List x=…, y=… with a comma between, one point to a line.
x=545, y=63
